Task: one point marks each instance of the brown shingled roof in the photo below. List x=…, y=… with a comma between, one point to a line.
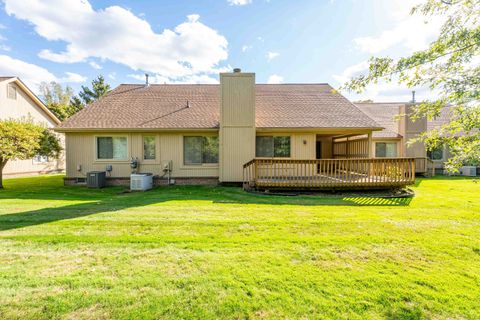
x=131, y=106
x=384, y=114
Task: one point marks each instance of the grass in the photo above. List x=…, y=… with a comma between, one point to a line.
x=209, y=253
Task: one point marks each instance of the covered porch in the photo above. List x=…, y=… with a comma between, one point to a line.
x=341, y=161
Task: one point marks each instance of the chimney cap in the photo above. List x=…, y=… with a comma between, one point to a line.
x=237, y=70
x=146, y=80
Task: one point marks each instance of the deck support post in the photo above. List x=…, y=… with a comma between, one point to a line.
x=370, y=145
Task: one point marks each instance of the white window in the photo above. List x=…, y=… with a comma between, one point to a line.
x=149, y=148
x=38, y=159
x=112, y=148
x=386, y=149
x=268, y=146
x=11, y=92
x=200, y=150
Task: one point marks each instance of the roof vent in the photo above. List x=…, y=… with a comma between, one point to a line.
x=146, y=80
x=237, y=70
x=188, y=104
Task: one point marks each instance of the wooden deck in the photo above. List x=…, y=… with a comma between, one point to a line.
x=424, y=166
x=361, y=173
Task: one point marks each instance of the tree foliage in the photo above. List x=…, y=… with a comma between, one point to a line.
x=57, y=99
x=99, y=89
x=22, y=139
x=451, y=66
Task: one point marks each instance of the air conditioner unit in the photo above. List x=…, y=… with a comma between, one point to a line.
x=141, y=181
x=96, y=179
x=469, y=171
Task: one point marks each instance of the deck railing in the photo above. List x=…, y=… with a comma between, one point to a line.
x=425, y=166
x=329, y=173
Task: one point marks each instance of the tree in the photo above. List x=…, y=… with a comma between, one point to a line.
x=57, y=99
x=99, y=89
x=448, y=65
x=22, y=139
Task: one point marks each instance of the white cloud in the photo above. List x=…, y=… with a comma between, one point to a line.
x=159, y=79
x=29, y=73
x=413, y=34
x=383, y=91
x=32, y=75
x=410, y=32
x=275, y=79
x=239, y=2
x=112, y=75
x=95, y=65
x=246, y=48
x=4, y=47
x=116, y=34
x=73, y=78
x=351, y=72
x=272, y=55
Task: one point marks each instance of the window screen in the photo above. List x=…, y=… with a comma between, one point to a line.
x=385, y=150
x=112, y=148
x=268, y=146
x=149, y=148
x=200, y=150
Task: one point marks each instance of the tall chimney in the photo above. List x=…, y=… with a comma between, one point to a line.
x=146, y=80
x=413, y=96
x=237, y=123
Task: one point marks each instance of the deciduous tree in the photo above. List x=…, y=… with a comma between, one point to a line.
x=451, y=66
x=22, y=139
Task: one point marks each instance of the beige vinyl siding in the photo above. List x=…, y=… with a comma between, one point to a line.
x=412, y=130
x=237, y=124
x=24, y=107
x=298, y=150
x=81, y=150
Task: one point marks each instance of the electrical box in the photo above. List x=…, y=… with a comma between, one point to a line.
x=96, y=179
x=167, y=166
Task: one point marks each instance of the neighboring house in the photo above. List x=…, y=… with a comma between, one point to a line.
x=399, y=129
x=237, y=131
x=18, y=101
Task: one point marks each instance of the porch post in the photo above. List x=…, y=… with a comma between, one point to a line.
x=370, y=145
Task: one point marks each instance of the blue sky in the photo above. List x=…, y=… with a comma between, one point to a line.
x=192, y=40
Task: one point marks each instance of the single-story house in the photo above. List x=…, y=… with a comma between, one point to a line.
x=392, y=141
x=264, y=135
x=17, y=101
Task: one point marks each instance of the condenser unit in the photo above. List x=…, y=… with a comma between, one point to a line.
x=96, y=179
x=469, y=171
x=141, y=181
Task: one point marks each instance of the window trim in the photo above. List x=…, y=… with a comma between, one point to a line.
x=95, y=150
x=199, y=165
x=273, y=136
x=10, y=86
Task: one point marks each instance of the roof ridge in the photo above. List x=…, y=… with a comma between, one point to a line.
x=217, y=84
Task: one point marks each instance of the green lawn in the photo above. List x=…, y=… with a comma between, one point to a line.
x=208, y=253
